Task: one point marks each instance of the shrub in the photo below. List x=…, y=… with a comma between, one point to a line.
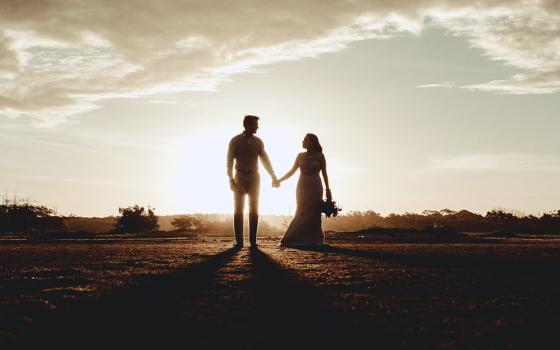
x=136, y=219
x=188, y=223
x=26, y=217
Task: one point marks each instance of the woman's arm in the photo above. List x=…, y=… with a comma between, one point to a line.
x=292, y=170
x=325, y=177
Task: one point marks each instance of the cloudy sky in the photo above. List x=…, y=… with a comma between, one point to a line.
x=418, y=104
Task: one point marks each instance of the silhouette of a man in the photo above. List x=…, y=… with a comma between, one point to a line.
x=246, y=149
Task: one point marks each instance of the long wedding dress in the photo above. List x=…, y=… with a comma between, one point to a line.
x=305, y=229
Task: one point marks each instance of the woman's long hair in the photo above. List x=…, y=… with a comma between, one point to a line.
x=314, y=144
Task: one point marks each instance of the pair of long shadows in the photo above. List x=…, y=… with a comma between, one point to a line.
x=279, y=308
x=166, y=310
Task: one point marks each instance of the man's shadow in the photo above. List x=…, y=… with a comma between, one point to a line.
x=298, y=312
x=150, y=312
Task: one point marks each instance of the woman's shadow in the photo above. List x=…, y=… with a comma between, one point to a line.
x=449, y=258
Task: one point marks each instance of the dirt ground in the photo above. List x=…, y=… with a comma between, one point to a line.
x=355, y=292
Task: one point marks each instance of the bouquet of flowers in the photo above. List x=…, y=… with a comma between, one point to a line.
x=330, y=208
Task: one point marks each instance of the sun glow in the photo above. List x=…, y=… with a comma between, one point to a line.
x=200, y=184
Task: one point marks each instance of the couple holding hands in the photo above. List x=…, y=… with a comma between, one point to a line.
x=245, y=150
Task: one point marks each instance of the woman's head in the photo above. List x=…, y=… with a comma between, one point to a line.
x=311, y=143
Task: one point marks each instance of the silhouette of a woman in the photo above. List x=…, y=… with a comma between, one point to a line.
x=305, y=229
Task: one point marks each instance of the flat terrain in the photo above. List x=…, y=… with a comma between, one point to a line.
x=200, y=292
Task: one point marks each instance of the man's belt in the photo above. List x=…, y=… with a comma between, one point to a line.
x=246, y=171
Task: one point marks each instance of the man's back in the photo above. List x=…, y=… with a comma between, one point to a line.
x=245, y=150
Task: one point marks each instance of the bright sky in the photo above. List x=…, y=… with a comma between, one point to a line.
x=417, y=105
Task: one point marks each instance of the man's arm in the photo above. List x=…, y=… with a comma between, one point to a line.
x=229, y=165
x=266, y=162
x=230, y=156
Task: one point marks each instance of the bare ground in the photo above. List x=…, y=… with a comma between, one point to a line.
x=202, y=293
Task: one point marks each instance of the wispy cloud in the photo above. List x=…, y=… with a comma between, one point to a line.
x=59, y=59
x=496, y=163
x=437, y=85
x=51, y=179
x=521, y=34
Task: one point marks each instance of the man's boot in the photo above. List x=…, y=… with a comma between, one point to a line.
x=253, y=225
x=238, y=229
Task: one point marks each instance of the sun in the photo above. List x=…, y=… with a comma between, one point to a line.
x=200, y=183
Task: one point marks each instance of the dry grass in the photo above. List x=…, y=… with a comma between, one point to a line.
x=493, y=294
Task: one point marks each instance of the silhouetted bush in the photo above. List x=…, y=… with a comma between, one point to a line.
x=136, y=219
x=26, y=217
x=188, y=223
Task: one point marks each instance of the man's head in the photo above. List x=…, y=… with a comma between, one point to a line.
x=251, y=124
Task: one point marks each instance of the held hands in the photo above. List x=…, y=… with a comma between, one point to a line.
x=275, y=183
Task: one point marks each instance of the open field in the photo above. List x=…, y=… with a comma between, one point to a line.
x=479, y=293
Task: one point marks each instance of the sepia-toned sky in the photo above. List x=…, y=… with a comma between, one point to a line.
x=418, y=104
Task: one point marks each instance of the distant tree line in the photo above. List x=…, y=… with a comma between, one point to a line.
x=23, y=216
x=462, y=221
x=192, y=223
x=216, y=224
